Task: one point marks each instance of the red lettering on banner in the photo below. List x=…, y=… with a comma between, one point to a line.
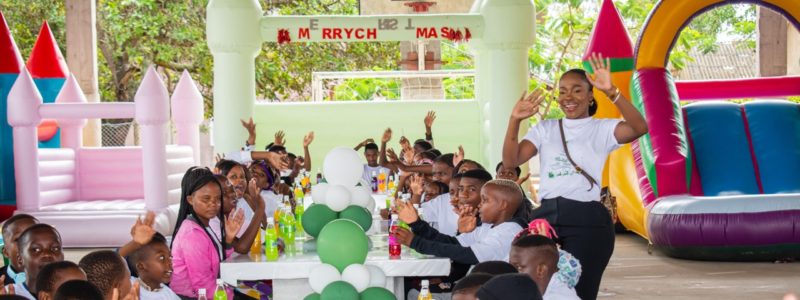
x=360, y=33
x=326, y=33
x=372, y=34
x=445, y=32
x=305, y=33
x=427, y=33
x=348, y=32
x=337, y=33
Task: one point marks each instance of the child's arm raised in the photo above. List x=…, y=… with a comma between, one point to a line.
x=307, y=154
x=387, y=136
x=141, y=234
x=429, y=118
x=456, y=252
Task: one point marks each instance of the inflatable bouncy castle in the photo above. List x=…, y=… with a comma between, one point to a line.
x=713, y=180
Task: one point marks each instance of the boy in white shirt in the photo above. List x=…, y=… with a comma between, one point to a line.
x=491, y=241
x=38, y=246
x=153, y=265
x=538, y=256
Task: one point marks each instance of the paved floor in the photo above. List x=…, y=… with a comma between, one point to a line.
x=634, y=274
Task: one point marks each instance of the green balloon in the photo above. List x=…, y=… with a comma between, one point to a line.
x=377, y=293
x=316, y=217
x=357, y=214
x=341, y=243
x=339, y=290
x=312, y=296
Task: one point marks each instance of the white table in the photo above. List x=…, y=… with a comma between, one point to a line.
x=289, y=274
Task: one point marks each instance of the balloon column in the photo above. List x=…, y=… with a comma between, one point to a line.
x=338, y=219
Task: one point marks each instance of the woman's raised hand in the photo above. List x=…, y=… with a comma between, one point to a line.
x=528, y=105
x=601, y=79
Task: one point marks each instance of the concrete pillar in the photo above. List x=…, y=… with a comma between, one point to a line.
x=82, y=58
x=772, y=47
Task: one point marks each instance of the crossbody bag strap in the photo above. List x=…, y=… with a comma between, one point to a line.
x=578, y=169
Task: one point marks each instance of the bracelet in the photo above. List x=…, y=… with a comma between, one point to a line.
x=616, y=98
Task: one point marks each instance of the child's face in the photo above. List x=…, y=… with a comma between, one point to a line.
x=42, y=247
x=372, y=157
x=491, y=206
x=442, y=172
x=156, y=267
x=507, y=173
x=228, y=197
x=454, y=192
x=61, y=277
x=260, y=176
x=469, y=191
x=526, y=262
x=467, y=166
x=10, y=249
x=431, y=191
x=238, y=179
x=206, y=201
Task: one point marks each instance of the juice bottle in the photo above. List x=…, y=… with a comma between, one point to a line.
x=256, y=247
x=382, y=182
x=425, y=292
x=271, y=241
x=201, y=294
x=299, y=210
x=391, y=184
x=374, y=184
x=220, y=293
x=394, y=245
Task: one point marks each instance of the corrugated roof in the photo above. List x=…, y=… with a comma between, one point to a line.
x=729, y=61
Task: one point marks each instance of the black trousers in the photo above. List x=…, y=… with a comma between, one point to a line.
x=584, y=230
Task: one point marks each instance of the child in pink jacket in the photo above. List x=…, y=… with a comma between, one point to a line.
x=196, y=250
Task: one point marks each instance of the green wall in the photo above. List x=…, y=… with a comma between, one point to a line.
x=348, y=123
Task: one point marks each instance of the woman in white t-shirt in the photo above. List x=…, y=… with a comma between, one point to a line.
x=571, y=196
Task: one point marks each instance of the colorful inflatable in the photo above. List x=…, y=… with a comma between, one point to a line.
x=719, y=180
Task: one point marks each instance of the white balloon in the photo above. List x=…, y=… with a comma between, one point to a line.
x=342, y=166
x=358, y=276
x=376, y=276
x=337, y=198
x=361, y=196
x=321, y=275
x=371, y=205
x=318, y=193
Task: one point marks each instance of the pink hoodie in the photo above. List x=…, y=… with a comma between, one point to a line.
x=194, y=261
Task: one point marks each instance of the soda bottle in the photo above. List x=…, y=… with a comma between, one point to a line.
x=256, y=247
x=298, y=190
x=382, y=182
x=220, y=293
x=201, y=294
x=425, y=292
x=394, y=245
x=299, y=210
x=391, y=184
x=271, y=241
x=277, y=217
x=374, y=183
x=288, y=224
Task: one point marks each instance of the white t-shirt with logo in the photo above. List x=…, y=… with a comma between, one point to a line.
x=440, y=215
x=367, y=176
x=589, y=140
x=490, y=243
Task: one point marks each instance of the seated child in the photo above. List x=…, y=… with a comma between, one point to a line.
x=12, y=229
x=372, y=168
x=78, y=290
x=108, y=272
x=247, y=234
x=500, y=201
x=265, y=181
x=466, y=165
x=538, y=256
x=153, y=264
x=509, y=287
x=494, y=267
x=433, y=190
x=466, y=288
x=38, y=246
x=196, y=250
x=438, y=211
x=453, y=191
x=508, y=173
x=53, y=275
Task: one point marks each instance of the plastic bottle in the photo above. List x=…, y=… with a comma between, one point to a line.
x=374, y=183
x=299, y=210
x=298, y=189
x=271, y=241
x=256, y=247
x=201, y=294
x=220, y=293
x=288, y=224
x=394, y=245
x=391, y=184
x=425, y=292
x=382, y=182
